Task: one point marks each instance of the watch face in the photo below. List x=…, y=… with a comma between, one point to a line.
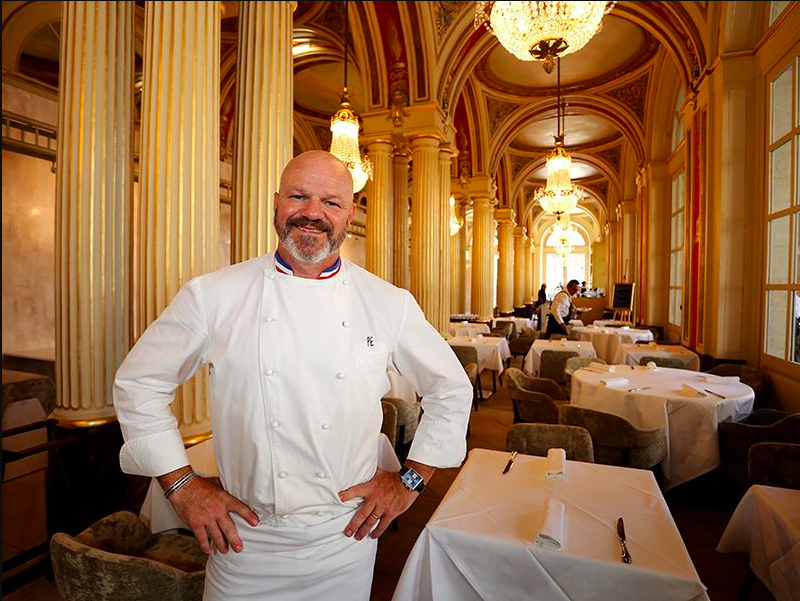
x=412, y=479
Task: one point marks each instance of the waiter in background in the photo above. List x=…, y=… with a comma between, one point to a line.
x=561, y=310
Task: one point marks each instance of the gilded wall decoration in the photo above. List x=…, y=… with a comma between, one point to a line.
x=633, y=95
x=446, y=12
x=323, y=135
x=398, y=78
x=611, y=155
x=518, y=163
x=498, y=110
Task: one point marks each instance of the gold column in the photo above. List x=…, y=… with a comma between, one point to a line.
x=506, y=220
x=400, y=244
x=426, y=215
x=458, y=263
x=443, y=325
x=179, y=183
x=264, y=123
x=482, y=256
x=529, y=270
x=520, y=245
x=379, y=210
x=93, y=206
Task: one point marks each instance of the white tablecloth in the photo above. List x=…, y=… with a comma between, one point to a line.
x=478, y=545
x=468, y=329
x=534, y=357
x=766, y=524
x=607, y=340
x=157, y=512
x=633, y=353
x=492, y=351
x=519, y=321
x=602, y=323
x=690, y=422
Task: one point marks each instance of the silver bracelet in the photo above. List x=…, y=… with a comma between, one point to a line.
x=179, y=483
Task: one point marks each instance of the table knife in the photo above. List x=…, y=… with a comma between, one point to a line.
x=626, y=557
x=510, y=462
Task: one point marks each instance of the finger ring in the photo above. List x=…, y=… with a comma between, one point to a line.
x=377, y=517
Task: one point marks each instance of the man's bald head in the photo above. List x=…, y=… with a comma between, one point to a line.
x=315, y=161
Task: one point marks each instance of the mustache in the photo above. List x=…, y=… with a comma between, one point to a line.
x=301, y=221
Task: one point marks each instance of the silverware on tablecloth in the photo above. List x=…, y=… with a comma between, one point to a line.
x=638, y=388
x=626, y=557
x=716, y=394
x=510, y=462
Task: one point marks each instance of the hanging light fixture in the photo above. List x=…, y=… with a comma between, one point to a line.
x=560, y=195
x=344, y=130
x=455, y=221
x=564, y=230
x=542, y=31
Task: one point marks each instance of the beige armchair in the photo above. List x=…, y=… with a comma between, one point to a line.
x=536, y=439
x=528, y=402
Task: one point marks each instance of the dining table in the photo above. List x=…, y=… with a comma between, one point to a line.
x=688, y=405
x=533, y=359
x=606, y=341
x=493, y=351
x=632, y=354
x=766, y=524
x=466, y=328
x=479, y=544
x=519, y=322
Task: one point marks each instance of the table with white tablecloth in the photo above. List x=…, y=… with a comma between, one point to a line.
x=607, y=340
x=479, y=544
x=632, y=354
x=157, y=512
x=519, y=322
x=766, y=524
x=468, y=329
x=534, y=357
x=690, y=422
x=611, y=323
x=492, y=350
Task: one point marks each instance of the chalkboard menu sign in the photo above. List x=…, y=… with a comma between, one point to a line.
x=623, y=296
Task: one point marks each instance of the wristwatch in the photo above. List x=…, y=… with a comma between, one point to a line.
x=412, y=479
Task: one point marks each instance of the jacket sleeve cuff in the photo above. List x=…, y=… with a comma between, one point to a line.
x=153, y=455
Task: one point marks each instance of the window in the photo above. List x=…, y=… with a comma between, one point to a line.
x=782, y=273
x=775, y=9
x=676, y=236
x=677, y=124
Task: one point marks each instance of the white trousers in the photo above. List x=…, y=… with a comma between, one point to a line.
x=293, y=564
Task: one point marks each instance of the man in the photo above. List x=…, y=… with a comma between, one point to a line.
x=298, y=343
x=561, y=310
x=541, y=298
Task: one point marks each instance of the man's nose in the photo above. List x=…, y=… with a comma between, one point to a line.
x=313, y=209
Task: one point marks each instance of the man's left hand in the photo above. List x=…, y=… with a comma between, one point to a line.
x=385, y=498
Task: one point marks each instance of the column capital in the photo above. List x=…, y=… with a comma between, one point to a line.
x=483, y=201
x=401, y=156
x=429, y=140
x=380, y=146
x=505, y=217
x=519, y=232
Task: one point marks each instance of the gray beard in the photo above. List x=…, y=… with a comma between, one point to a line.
x=304, y=254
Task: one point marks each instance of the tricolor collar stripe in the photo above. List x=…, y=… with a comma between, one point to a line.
x=283, y=267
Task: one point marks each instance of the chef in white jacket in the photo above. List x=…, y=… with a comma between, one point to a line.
x=298, y=343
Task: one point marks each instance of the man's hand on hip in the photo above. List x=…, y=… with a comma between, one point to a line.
x=385, y=498
x=205, y=507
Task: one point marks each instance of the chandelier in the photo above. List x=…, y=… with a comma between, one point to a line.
x=455, y=222
x=559, y=196
x=542, y=31
x=344, y=130
x=563, y=232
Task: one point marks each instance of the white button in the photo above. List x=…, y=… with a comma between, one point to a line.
x=341, y=375
x=346, y=324
x=320, y=474
x=269, y=372
x=269, y=318
x=276, y=424
x=282, y=475
x=271, y=276
x=326, y=426
x=320, y=513
x=285, y=516
x=346, y=282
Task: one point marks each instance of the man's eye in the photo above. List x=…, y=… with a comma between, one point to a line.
x=297, y=196
x=329, y=203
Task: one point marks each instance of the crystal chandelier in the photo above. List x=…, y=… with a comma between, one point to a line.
x=455, y=222
x=542, y=31
x=563, y=232
x=344, y=130
x=559, y=196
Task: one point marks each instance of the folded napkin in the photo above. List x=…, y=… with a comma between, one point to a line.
x=556, y=464
x=692, y=390
x=551, y=533
x=651, y=365
x=602, y=367
x=625, y=328
x=720, y=379
x=614, y=382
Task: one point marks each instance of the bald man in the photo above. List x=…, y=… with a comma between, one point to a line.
x=298, y=343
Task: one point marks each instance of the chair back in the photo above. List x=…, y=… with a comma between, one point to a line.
x=573, y=364
x=663, y=361
x=615, y=440
x=553, y=363
x=529, y=405
x=537, y=439
x=752, y=376
x=407, y=417
x=117, y=559
x=389, y=424
x=466, y=354
x=506, y=329
x=774, y=464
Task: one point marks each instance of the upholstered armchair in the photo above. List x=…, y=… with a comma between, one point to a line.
x=573, y=364
x=536, y=439
x=663, y=362
x=774, y=464
x=530, y=404
x=553, y=364
x=118, y=559
x=615, y=440
x=752, y=376
x=389, y=423
x=468, y=355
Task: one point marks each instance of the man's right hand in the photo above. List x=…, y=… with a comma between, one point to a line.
x=205, y=507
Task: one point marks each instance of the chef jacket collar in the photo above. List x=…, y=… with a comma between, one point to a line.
x=283, y=267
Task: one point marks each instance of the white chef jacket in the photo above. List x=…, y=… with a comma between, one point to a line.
x=561, y=306
x=297, y=371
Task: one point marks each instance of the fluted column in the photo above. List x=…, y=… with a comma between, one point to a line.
x=505, y=269
x=93, y=206
x=400, y=245
x=426, y=215
x=379, y=211
x=264, y=123
x=458, y=263
x=443, y=324
x=520, y=245
x=529, y=270
x=179, y=182
x=482, y=256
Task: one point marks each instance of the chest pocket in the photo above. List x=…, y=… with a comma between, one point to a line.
x=371, y=360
